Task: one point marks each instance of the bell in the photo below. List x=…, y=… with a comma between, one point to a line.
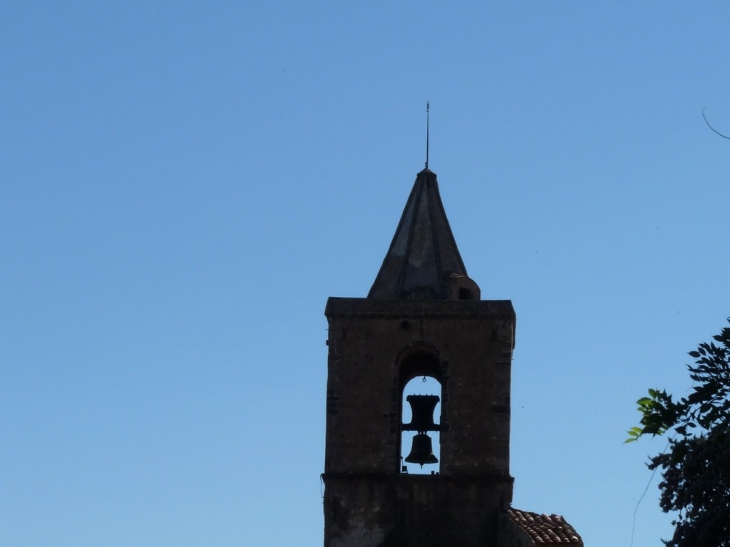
x=422, y=407
x=421, y=450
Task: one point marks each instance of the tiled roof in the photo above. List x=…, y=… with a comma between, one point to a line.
x=545, y=529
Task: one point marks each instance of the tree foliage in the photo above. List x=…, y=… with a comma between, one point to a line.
x=696, y=465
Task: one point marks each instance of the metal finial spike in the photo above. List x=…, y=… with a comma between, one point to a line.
x=427, y=128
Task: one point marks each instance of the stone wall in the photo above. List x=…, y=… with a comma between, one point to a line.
x=375, y=347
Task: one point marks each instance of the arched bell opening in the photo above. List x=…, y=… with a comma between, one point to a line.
x=420, y=412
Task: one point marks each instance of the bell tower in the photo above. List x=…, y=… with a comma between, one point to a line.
x=423, y=317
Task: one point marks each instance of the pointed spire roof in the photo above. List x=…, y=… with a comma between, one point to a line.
x=423, y=259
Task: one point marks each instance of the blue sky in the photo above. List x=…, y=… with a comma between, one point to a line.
x=183, y=184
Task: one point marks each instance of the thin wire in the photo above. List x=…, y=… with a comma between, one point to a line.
x=708, y=125
x=633, y=523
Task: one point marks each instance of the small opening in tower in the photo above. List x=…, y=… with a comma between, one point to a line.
x=465, y=294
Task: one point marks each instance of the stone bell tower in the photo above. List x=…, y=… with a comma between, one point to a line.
x=422, y=317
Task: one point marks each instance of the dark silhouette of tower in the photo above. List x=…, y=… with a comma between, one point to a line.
x=422, y=317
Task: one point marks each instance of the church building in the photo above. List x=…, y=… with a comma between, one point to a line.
x=408, y=469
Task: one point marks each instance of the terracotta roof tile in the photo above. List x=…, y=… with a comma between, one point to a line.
x=545, y=529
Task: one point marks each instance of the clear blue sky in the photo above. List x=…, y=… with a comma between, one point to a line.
x=183, y=184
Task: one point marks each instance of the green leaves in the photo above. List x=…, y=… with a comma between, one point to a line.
x=659, y=413
x=634, y=434
x=696, y=465
x=706, y=407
